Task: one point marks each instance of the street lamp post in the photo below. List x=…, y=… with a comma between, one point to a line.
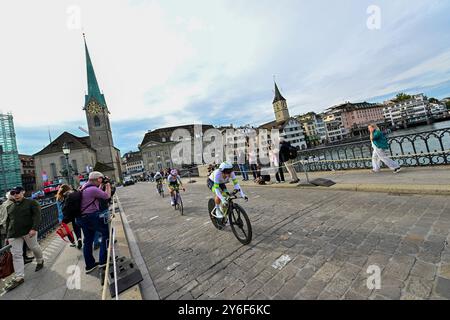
x=66, y=151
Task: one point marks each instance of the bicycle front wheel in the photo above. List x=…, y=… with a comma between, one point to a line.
x=240, y=224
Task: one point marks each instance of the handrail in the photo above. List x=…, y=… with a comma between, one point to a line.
x=108, y=258
x=5, y=248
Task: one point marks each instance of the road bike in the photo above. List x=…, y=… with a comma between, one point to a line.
x=239, y=221
x=178, y=202
x=159, y=187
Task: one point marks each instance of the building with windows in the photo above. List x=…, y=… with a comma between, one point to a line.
x=28, y=173
x=289, y=127
x=95, y=152
x=357, y=116
x=9, y=157
x=313, y=128
x=157, y=146
x=405, y=113
x=134, y=166
x=334, y=124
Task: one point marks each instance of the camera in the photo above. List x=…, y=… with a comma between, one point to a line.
x=106, y=180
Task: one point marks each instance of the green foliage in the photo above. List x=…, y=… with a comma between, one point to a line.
x=433, y=100
x=448, y=105
x=402, y=97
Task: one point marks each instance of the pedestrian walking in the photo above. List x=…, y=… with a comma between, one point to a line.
x=93, y=219
x=380, y=145
x=22, y=222
x=61, y=196
x=287, y=154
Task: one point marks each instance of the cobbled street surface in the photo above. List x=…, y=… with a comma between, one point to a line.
x=332, y=237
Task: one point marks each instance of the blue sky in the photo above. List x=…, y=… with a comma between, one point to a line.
x=172, y=62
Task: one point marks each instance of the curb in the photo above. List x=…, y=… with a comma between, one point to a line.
x=147, y=288
x=428, y=189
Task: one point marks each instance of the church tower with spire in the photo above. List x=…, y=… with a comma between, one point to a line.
x=97, y=116
x=280, y=106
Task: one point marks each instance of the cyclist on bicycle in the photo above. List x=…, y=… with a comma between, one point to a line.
x=217, y=184
x=159, y=179
x=174, y=181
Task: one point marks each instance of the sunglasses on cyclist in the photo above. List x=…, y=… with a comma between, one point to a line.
x=13, y=193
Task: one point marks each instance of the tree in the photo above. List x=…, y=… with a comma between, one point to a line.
x=402, y=97
x=433, y=100
x=448, y=105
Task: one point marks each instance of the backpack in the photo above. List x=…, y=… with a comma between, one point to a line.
x=72, y=205
x=293, y=152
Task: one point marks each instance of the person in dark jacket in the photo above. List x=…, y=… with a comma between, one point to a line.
x=22, y=223
x=61, y=196
x=285, y=151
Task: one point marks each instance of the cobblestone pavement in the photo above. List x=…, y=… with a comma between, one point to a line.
x=332, y=237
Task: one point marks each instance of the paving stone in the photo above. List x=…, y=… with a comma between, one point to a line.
x=390, y=288
x=326, y=272
x=419, y=287
x=424, y=270
x=291, y=288
x=312, y=289
x=443, y=287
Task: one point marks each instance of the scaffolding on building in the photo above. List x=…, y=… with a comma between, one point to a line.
x=10, y=175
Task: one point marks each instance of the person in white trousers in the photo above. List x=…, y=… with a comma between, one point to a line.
x=379, y=145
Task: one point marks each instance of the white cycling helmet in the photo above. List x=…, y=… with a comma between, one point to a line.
x=226, y=167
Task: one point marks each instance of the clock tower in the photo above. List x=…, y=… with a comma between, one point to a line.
x=97, y=116
x=280, y=106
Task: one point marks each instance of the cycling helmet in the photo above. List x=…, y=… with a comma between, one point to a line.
x=174, y=172
x=226, y=167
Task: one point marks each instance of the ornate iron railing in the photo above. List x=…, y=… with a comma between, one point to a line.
x=410, y=150
x=49, y=220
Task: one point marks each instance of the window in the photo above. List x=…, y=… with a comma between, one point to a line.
x=97, y=121
x=74, y=166
x=53, y=171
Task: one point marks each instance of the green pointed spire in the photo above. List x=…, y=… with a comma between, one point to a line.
x=278, y=95
x=93, y=88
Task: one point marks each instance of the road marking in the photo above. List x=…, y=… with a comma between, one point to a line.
x=188, y=219
x=154, y=218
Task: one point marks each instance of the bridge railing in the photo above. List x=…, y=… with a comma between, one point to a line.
x=410, y=150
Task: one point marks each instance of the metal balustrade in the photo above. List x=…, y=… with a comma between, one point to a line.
x=410, y=150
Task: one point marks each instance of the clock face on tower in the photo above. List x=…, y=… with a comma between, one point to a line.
x=93, y=108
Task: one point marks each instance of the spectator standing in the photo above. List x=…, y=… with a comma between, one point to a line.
x=275, y=164
x=22, y=223
x=286, y=157
x=252, y=160
x=61, y=197
x=242, y=164
x=93, y=219
x=380, y=145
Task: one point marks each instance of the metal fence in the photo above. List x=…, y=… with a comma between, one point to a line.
x=421, y=149
x=49, y=220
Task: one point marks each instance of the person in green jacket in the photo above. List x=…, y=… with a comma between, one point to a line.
x=380, y=145
x=22, y=223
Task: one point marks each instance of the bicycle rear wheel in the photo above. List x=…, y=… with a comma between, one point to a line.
x=240, y=224
x=180, y=203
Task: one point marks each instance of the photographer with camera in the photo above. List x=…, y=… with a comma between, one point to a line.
x=94, y=218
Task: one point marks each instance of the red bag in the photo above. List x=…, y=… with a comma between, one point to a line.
x=6, y=265
x=65, y=230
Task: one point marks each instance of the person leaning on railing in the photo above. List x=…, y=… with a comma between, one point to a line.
x=22, y=223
